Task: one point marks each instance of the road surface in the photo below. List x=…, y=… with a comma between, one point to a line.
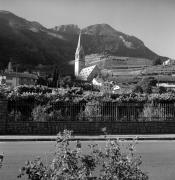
x=158, y=157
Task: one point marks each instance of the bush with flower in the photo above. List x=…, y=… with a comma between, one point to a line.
x=114, y=162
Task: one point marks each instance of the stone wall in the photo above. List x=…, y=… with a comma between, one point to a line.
x=89, y=128
x=3, y=115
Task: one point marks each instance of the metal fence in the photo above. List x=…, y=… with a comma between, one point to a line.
x=105, y=111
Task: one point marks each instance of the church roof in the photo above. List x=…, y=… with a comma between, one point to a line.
x=86, y=72
x=21, y=75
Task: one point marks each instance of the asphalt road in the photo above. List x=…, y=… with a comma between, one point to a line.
x=158, y=157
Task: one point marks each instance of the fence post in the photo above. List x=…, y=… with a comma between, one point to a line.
x=3, y=116
x=116, y=112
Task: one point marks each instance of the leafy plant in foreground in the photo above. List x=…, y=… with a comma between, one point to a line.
x=1, y=159
x=114, y=162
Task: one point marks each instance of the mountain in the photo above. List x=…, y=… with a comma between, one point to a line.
x=108, y=40
x=29, y=44
x=20, y=23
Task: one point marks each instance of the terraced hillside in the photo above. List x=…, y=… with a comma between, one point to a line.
x=118, y=66
x=159, y=70
x=117, y=62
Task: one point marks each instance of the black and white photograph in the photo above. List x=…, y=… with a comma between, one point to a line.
x=87, y=89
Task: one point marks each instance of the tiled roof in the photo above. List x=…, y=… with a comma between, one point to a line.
x=85, y=72
x=22, y=75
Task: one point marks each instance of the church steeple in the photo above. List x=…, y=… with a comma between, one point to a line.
x=79, y=57
x=10, y=69
x=79, y=51
x=79, y=43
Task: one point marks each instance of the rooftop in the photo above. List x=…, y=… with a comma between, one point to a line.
x=22, y=75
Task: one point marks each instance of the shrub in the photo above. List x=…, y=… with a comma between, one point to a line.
x=46, y=113
x=15, y=116
x=149, y=112
x=148, y=89
x=157, y=112
x=1, y=159
x=147, y=83
x=55, y=115
x=157, y=61
x=39, y=114
x=0, y=164
x=92, y=111
x=32, y=89
x=162, y=90
x=137, y=89
x=69, y=163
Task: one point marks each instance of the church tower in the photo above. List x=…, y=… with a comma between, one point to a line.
x=10, y=69
x=79, y=58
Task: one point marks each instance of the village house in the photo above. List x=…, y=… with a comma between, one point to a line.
x=13, y=79
x=169, y=62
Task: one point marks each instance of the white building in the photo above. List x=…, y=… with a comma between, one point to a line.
x=169, y=62
x=96, y=82
x=82, y=72
x=166, y=85
x=14, y=79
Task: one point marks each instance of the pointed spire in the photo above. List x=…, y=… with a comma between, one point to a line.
x=79, y=46
x=79, y=41
x=10, y=67
x=79, y=57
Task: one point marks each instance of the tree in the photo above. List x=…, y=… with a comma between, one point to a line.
x=138, y=89
x=147, y=83
x=42, y=81
x=148, y=89
x=162, y=90
x=55, y=77
x=157, y=61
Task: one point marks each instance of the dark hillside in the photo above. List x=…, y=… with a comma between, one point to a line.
x=29, y=44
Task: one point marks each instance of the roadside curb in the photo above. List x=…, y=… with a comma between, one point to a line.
x=88, y=138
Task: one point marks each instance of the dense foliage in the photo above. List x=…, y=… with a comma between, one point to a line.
x=43, y=94
x=114, y=162
x=145, y=85
x=158, y=61
x=49, y=104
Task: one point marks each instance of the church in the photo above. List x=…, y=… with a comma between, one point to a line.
x=82, y=72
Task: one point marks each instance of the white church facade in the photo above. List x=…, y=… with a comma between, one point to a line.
x=80, y=70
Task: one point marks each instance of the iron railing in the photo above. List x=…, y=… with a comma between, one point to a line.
x=92, y=112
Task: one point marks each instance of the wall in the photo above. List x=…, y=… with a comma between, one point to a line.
x=12, y=81
x=3, y=115
x=89, y=128
x=156, y=126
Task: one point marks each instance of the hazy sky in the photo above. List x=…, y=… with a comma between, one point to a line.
x=153, y=21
